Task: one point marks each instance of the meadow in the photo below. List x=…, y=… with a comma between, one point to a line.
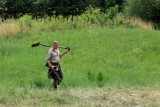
x=101, y=59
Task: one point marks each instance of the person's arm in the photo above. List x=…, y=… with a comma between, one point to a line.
x=50, y=65
x=48, y=60
x=65, y=52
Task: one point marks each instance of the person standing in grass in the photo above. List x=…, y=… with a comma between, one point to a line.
x=52, y=62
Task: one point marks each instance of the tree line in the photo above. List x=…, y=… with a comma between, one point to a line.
x=146, y=9
x=42, y=8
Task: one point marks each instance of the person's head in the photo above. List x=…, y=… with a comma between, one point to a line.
x=55, y=44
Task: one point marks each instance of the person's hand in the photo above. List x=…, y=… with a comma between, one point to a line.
x=53, y=67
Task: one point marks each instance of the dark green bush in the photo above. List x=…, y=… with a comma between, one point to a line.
x=146, y=9
x=41, y=8
x=106, y=4
x=100, y=79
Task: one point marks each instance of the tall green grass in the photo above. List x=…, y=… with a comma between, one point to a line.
x=99, y=57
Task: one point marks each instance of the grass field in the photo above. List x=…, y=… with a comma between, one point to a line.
x=100, y=59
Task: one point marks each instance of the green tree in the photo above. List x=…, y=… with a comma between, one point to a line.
x=41, y=8
x=17, y=8
x=70, y=7
x=106, y=4
x=112, y=3
x=146, y=9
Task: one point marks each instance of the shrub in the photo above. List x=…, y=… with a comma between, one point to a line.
x=146, y=9
x=100, y=79
x=91, y=76
x=96, y=17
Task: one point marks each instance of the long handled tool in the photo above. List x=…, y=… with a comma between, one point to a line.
x=41, y=44
x=59, y=78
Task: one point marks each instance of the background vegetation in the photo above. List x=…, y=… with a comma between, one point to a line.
x=147, y=10
x=113, y=47
x=41, y=8
x=119, y=63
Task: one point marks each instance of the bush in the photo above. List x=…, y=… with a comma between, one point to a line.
x=146, y=9
x=100, y=79
x=106, y=4
x=91, y=76
x=112, y=3
x=96, y=17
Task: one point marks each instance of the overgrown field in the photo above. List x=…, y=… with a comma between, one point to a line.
x=99, y=58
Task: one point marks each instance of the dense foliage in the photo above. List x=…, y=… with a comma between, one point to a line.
x=42, y=8
x=146, y=9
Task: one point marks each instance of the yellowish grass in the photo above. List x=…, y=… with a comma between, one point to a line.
x=102, y=97
x=27, y=24
x=135, y=21
x=108, y=97
x=10, y=28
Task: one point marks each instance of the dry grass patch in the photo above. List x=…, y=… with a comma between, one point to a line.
x=107, y=97
x=99, y=97
x=141, y=23
x=11, y=28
